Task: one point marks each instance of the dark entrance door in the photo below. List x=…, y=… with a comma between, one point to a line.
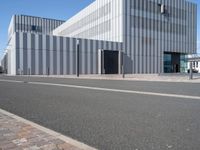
x=176, y=62
x=111, y=62
x=171, y=62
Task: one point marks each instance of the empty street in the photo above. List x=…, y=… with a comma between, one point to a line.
x=109, y=114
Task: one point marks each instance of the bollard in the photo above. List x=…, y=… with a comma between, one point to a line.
x=191, y=72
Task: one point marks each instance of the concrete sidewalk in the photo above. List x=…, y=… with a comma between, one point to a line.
x=184, y=78
x=17, y=133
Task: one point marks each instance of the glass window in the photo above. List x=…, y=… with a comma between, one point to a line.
x=167, y=63
x=183, y=63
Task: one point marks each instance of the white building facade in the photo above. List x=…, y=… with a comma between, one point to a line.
x=22, y=24
x=157, y=35
x=34, y=50
x=136, y=36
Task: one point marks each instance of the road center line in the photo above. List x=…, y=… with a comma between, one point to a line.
x=109, y=90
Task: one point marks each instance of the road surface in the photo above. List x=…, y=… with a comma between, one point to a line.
x=109, y=115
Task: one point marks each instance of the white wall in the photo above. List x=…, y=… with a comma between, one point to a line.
x=113, y=17
x=11, y=56
x=39, y=53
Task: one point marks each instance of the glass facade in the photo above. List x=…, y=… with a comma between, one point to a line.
x=183, y=63
x=175, y=63
x=167, y=63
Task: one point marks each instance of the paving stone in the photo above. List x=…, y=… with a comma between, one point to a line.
x=8, y=146
x=67, y=146
x=4, y=141
x=16, y=135
x=49, y=147
x=20, y=141
x=56, y=141
x=32, y=148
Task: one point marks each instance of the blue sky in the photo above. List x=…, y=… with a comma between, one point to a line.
x=58, y=9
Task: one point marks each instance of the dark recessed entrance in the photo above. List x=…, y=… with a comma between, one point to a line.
x=171, y=62
x=111, y=62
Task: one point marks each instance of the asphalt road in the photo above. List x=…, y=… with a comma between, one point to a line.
x=110, y=120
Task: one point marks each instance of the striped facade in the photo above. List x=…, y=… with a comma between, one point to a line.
x=155, y=36
x=41, y=54
x=147, y=34
x=101, y=20
x=26, y=24
x=32, y=24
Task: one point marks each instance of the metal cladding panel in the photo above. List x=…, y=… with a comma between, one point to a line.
x=58, y=52
x=95, y=66
x=89, y=58
x=54, y=67
x=17, y=53
x=81, y=56
x=74, y=56
x=36, y=54
x=32, y=66
x=102, y=20
x=71, y=50
x=61, y=56
x=47, y=42
x=44, y=54
x=67, y=55
x=147, y=33
x=51, y=55
x=40, y=54
x=28, y=54
x=25, y=52
x=64, y=56
x=23, y=23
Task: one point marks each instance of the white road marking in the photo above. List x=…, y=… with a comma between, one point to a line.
x=110, y=90
x=14, y=81
x=49, y=131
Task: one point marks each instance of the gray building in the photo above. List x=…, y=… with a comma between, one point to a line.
x=136, y=36
x=22, y=24
x=157, y=35
x=34, y=50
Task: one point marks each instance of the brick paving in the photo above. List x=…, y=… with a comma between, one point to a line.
x=16, y=135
